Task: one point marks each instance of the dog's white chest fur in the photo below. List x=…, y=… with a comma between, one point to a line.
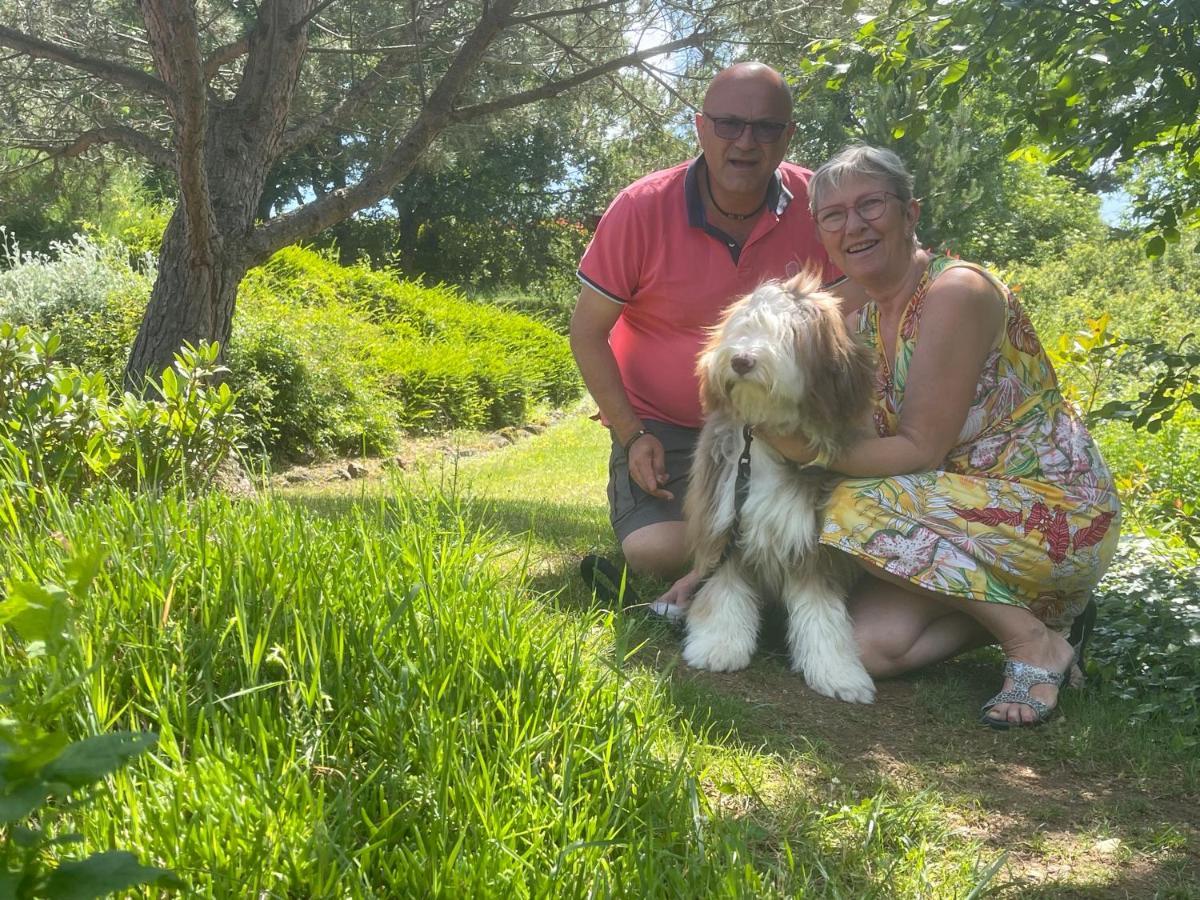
x=781, y=510
x=779, y=522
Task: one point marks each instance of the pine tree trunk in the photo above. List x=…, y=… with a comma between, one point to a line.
x=192, y=301
x=224, y=151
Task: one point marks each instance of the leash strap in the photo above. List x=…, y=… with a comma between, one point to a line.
x=741, y=487
x=741, y=490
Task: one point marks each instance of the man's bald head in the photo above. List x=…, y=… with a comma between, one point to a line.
x=754, y=76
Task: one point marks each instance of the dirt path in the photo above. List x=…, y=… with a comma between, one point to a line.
x=1068, y=822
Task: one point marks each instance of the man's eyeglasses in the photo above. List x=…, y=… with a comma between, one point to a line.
x=730, y=128
x=869, y=208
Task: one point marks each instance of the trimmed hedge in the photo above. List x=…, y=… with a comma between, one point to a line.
x=427, y=356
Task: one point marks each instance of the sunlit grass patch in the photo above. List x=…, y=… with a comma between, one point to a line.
x=375, y=703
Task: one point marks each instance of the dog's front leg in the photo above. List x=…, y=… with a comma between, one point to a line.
x=722, y=622
x=821, y=638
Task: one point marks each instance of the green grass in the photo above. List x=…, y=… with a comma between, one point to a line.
x=375, y=702
x=401, y=689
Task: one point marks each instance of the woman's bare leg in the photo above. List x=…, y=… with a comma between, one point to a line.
x=900, y=631
x=900, y=628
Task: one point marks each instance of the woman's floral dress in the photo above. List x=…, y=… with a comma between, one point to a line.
x=1022, y=511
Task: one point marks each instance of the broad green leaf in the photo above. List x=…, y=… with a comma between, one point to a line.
x=23, y=836
x=170, y=384
x=21, y=802
x=86, y=762
x=81, y=571
x=105, y=873
x=37, y=612
x=955, y=71
x=1012, y=139
x=1065, y=86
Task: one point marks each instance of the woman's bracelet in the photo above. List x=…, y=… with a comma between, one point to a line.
x=641, y=432
x=822, y=459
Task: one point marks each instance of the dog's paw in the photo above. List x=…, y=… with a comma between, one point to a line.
x=716, y=655
x=850, y=684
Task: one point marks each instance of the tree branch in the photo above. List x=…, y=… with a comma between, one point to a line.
x=102, y=68
x=554, y=88
x=435, y=115
x=305, y=132
x=223, y=55
x=559, y=13
x=144, y=146
x=175, y=45
x=316, y=11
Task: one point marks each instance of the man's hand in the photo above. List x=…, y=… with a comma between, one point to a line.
x=647, y=461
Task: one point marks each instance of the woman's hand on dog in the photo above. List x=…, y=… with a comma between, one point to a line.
x=648, y=466
x=792, y=446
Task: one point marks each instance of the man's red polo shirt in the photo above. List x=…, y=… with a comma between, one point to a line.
x=655, y=253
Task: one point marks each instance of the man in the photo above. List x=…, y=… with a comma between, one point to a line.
x=672, y=251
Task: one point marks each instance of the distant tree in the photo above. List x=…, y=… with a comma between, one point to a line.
x=512, y=204
x=41, y=204
x=1092, y=84
x=972, y=194
x=218, y=92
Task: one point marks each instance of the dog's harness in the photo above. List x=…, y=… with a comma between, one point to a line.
x=741, y=490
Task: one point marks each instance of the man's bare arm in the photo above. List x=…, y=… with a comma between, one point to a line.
x=593, y=319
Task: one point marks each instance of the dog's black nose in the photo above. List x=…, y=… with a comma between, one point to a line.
x=742, y=363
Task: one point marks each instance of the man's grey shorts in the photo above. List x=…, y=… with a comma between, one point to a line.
x=631, y=508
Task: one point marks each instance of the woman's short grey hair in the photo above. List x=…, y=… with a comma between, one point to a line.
x=861, y=160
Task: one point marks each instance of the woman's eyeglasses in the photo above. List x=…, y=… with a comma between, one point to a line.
x=730, y=128
x=869, y=208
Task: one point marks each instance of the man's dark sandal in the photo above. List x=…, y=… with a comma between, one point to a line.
x=607, y=582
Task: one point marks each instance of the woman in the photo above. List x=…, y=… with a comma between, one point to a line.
x=981, y=509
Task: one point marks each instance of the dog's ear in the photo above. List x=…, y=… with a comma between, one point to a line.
x=710, y=390
x=840, y=368
x=706, y=537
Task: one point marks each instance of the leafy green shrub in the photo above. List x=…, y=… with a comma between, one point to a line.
x=344, y=357
x=326, y=358
x=1030, y=216
x=1144, y=298
x=1116, y=325
x=87, y=292
x=552, y=306
x=44, y=775
x=309, y=378
x=1156, y=476
x=131, y=216
x=1147, y=640
x=59, y=426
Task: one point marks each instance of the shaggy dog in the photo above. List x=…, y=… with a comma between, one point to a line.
x=781, y=360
